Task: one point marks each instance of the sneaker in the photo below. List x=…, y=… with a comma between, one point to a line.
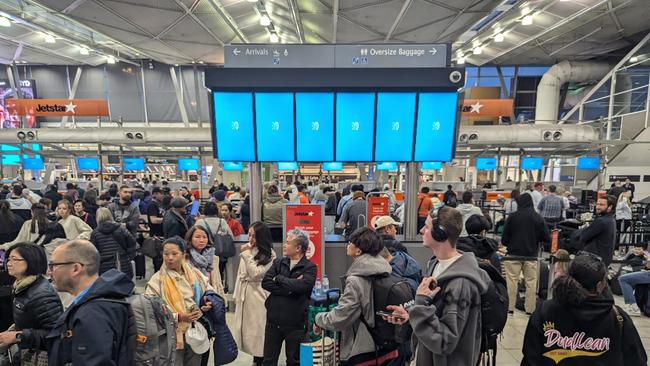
x=632, y=310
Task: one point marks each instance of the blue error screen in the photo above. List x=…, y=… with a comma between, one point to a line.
x=436, y=126
x=233, y=121
x=315, y=126
x=274, y=126
x=355, y=114
x=395, y=123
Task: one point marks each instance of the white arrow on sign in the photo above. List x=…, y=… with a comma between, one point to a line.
x=433, y=51
x=236, y=51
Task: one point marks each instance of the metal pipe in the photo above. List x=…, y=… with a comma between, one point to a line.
x=410, y=202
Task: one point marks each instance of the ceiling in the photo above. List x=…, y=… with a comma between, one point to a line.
x=195, y=31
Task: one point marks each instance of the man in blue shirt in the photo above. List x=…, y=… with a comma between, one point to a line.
x=551, y=206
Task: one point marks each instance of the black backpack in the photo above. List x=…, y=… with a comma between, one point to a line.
x=494, y=310
x=388, y=290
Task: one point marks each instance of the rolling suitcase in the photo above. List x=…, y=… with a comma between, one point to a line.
x=140, y=266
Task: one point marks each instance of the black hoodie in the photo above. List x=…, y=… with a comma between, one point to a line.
x=482, y=247
x=525, y=229
x=589, y=333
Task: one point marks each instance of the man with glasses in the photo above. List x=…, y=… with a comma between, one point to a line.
x=94, y=329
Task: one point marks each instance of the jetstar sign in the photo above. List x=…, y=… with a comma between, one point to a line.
x=58, y=107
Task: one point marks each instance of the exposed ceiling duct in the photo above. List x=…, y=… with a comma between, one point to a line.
x=527, y=135
x=548, y=91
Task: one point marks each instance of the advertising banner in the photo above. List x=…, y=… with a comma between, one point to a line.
x=57, y=107
x=377, y=206
x=487, y=107
x=310, y=219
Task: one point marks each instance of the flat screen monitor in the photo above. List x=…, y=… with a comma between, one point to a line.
x=315, y=126
x=10, y=159
x=395, y=124
x=233, y=126
x=188, y=164
x=288, y=166
x=274, y=127
x=33, y=164
x=386, y=166
x=195, y=208
x=431, y=165
x=4, y=147
x=134, y=164
x=88, y=163
x=355, y=115
x=589, y=163
x=333, y=166
x=8, y=117
x=435, y=137
x=532, y=163
x=233, y=166
x=486, y=163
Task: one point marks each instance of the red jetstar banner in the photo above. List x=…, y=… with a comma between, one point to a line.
x=310, y=219
x=57, y=107
x=487, y=107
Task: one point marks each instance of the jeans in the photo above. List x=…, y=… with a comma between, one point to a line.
x=274, y=335
x=629, y=281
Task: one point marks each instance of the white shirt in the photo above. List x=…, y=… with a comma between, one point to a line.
x=442, y=265
x=537, y=197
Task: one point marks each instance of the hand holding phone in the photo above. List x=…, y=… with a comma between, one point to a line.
x=387, y=314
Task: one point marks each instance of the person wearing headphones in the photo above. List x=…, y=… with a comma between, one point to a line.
x=446, y=316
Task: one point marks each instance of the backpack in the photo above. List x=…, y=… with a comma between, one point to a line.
x=152, y=330
x=388, y=290
x=494, y=310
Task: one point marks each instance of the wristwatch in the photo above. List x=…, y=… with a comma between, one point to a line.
x=19, y=336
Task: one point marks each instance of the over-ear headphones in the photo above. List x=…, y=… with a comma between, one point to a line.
x=438, y=232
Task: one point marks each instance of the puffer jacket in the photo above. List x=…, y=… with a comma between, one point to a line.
x=272, y=210
x=111, y=240
x=36, y=307
x=346, y=316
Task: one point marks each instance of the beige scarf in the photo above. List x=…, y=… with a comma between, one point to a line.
x=24, y=283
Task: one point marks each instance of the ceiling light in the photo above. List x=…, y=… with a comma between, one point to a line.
x=634, y=59
x=477, y=50
x=252, y=1
x=201, y=62
x=50, y=38
x=84, y=51
x=5, y=22
x=527, y=20
x=460, y=60
x=499, y=38
x=274, y=38
x=110, y=59
x=265, y=20
x=525, y=10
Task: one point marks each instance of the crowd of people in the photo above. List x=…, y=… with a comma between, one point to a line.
x=71, y=258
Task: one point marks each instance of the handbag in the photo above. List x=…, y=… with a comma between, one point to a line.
x=197, y=338
x=152, y=247
x=224, y=246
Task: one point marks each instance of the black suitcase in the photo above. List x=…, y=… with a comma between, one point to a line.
x=140, y=267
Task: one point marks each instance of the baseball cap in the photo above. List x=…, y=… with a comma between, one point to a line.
x=379, y=222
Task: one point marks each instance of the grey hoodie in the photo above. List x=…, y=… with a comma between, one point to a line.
x=467, y=210
x=357, y=294
x=447, y=328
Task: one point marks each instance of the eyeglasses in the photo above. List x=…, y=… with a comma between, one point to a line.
x=14, y=259
x=51, y=265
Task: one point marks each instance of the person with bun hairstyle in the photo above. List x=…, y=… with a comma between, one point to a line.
x=580, y=326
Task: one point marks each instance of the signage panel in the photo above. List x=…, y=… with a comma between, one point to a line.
x=436, y=126
x=309, y=218
x=391, y=56
x=395, y=124
x=315, y=126
x=233, y=126
x=274, y=127
x=355, y=114
x=57, y=107
x=377, y=206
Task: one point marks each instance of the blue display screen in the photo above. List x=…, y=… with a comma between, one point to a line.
x=432, y=165
x=274, y=126
x=188, y=164
x=133, y=163
x=355, y=114
x=333, y=166
x=33, y=164
x=532, y=163
x=88, y=163
x=233, y=122
x=10, y=159
x=288, y=166
x=395, y=124
x=386, y=166
x=589, y=163
x=486, y=163
x=233, y=166
x=4, y=147
x=436, y=126
x=315, y=126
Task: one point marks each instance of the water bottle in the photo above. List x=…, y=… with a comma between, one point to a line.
x=318, y=287
x=326, y=285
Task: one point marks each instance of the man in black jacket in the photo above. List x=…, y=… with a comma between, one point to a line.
x=600, y=237
x=290, y=281
x=580, y=326
x=522, y=234
x=53, y=194
x=175, y=223
x=94, y=329
x=124, y=212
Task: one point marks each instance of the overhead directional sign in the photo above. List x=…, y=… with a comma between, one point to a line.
x=337, y=56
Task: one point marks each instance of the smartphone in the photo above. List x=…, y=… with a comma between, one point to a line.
x=385, y=313
x=195, y=208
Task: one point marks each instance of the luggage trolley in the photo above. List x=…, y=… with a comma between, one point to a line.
x=323, y=349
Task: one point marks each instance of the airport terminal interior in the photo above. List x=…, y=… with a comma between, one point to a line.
x=326, y=117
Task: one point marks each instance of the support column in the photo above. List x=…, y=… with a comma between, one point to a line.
x=256, y=191
x=72, y=91
x=411, y=202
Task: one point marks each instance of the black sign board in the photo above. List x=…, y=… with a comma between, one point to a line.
x=622, y=178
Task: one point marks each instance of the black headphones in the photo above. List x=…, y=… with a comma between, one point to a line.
x=438, y=232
